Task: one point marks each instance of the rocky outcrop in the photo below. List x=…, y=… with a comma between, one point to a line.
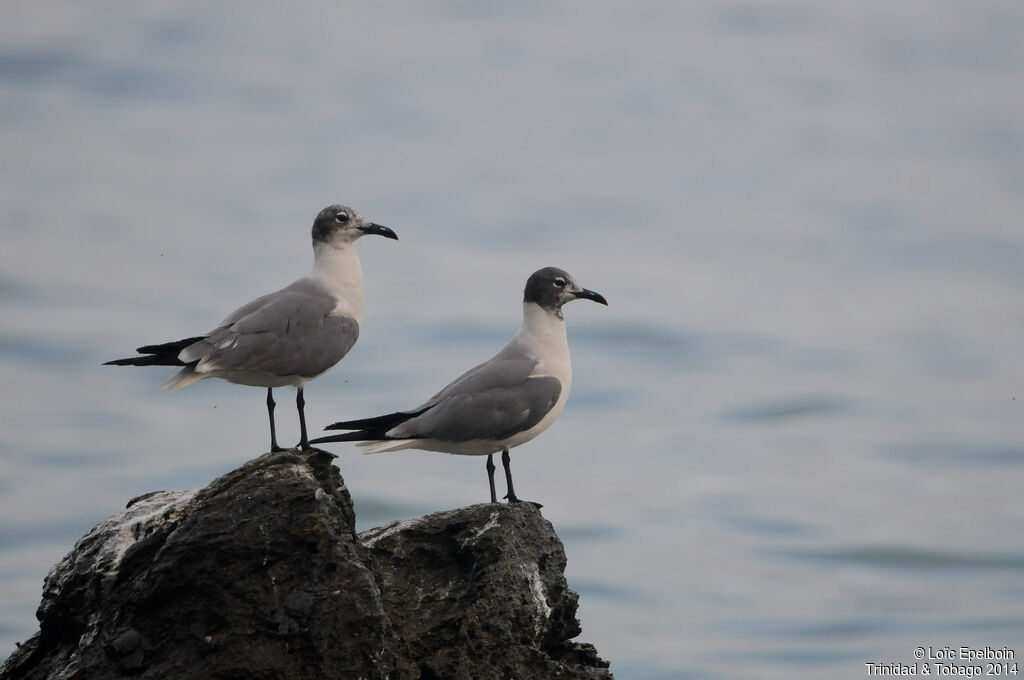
x=262, y=575
x=480, y=592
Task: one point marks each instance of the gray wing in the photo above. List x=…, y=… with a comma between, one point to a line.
x=290, y=332
x=508, y=368
x=494, y=400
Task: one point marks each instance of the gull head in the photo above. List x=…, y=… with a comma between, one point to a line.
x=551, y=287
x=340, y=224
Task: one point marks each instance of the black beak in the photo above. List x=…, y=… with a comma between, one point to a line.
x=591, y=295
x=379, y=230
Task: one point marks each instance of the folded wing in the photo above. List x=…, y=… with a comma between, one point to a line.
x=290, y=332
x=494, y=400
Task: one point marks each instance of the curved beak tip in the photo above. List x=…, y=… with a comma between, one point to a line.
x=380, y=230
x=591, y=295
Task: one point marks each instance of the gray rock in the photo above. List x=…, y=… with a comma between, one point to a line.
x=261, y=575
x=480, y=592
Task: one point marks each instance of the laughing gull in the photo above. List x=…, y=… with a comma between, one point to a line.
x=287, y=337
x=502, y=403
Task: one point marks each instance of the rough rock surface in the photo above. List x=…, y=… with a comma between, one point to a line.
x=480, y=592
x=261, y=575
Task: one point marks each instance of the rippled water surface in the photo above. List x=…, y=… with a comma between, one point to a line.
x=794, y=443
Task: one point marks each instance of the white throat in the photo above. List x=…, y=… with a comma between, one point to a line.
x=338, y=270
x=543, y=336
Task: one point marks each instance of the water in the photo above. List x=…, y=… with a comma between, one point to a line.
x=794, y=443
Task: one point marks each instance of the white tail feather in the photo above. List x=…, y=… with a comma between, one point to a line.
x=388, y=445
x=182, y=378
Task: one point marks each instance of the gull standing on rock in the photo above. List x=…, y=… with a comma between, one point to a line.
x=287, y=337
x=502, y=403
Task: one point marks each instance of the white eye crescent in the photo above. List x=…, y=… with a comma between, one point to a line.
x=560, y=282
x=341, y=218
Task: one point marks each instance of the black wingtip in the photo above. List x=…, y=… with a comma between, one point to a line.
x=330, y=439
x=165, y=354
x=358, y=436
x=147, y=360
x=376, y=424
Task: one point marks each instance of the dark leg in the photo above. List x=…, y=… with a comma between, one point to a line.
x=490, y=476
x=270, y=411
x=511, y=495
x=300, y=402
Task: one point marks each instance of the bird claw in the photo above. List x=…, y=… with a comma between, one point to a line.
x=315, y=452
x=516, y=499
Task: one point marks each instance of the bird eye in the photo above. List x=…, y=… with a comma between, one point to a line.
x=341, y=218
x=560, y=282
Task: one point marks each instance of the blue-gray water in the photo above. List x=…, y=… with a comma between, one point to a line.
x=795, y=442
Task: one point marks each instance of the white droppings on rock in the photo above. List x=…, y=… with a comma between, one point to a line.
x=540, y=598
x=103, y=548
x=137, y=521
x=492, y=522
x=387, y=530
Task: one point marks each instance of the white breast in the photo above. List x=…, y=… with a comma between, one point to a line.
x=338, y=270
x=543, y=337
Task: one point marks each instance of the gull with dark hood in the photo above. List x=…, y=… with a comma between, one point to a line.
x=287, y=337
x=499, y=404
